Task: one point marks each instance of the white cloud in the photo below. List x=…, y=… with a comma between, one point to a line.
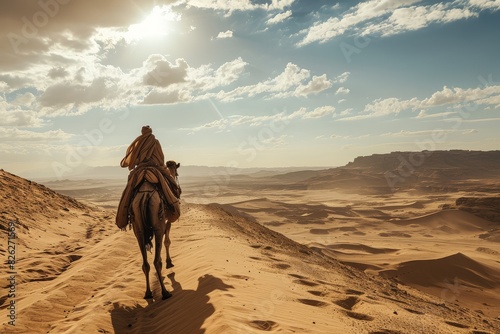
x=239, y=120
x=206, y=78
x=196, y=82
x=382, y=107
x=489, y=95
x=342, y=78
x=319, y=112
x=167, y=96
x=66, y=97
x=280, y=17
x=345, y=112
x=19, y=112
x=293, y=81
x=485, y=4
x=342, y=90
x=20, y=118
x=362, y=12
x=315, y=86
x=15, y=134
x=163, y=73
x=417, y=17
x=425, y=114
x=484, y=95
x=225, y=34
x=390, y=17
x=240, y=5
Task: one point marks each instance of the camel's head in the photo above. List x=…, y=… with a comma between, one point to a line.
x=173, y=166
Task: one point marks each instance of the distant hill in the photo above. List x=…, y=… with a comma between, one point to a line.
x=186, y=172
x=466, y=163
x=426, y=170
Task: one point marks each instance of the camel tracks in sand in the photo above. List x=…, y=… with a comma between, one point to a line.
x=395, y=234
x=414, y=311
x=282, y=266
x=74, y=257
x=359, y=316
x=297, y=276
x=263, y=325
x=313, y=302
x=347, y=303
x=242, y=277
x=305, y=282
x=354, y=292
x=317, y=293
x=487, y=251
x=456, y=324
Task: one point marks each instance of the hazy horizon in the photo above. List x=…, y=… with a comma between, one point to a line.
x=259, y=84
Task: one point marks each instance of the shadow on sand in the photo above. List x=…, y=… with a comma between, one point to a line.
x=184, y=312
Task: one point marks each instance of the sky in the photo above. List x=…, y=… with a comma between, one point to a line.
x=249, y=83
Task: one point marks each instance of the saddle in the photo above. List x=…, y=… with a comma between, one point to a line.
x=164, y=182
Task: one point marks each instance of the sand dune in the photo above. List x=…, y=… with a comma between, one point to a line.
x=249, y=291
x=436, y=271
x=351, y=262
x=360, y=228
x=449, y=221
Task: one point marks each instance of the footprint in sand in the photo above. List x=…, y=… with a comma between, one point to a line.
x=359, y=316
x=347, y=303
x=317, y=293
x=456, y=324
x=297, y=276
x=354, y=292
x=414, y=311
x=282, y=266
x=263, y=325
x=305, y=282
x=395, y=234
x=74, y=257
x=242, y=277
x=386, y=331
x=312, y=302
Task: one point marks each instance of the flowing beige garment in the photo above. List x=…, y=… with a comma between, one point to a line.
x=145, y=159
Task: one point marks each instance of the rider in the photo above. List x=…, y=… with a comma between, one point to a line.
x=145, y=159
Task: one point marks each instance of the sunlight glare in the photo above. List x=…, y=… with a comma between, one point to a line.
x=155, y=25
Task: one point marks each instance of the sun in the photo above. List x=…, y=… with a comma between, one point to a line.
x=155, y=25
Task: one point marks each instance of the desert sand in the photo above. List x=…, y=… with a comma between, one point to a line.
x=331, y=251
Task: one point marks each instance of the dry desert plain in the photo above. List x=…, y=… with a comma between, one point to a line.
x=394, y=243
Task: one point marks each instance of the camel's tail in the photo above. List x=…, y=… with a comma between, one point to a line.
x=145, y=218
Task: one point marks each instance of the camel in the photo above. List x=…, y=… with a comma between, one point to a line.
x=172, y=167
x=148, y=222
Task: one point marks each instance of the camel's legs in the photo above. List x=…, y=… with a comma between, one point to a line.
x=145, y=264
x=157, y=262
x=138, y=215
x=167, y=244
x=157, y=220
x=146, y=207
